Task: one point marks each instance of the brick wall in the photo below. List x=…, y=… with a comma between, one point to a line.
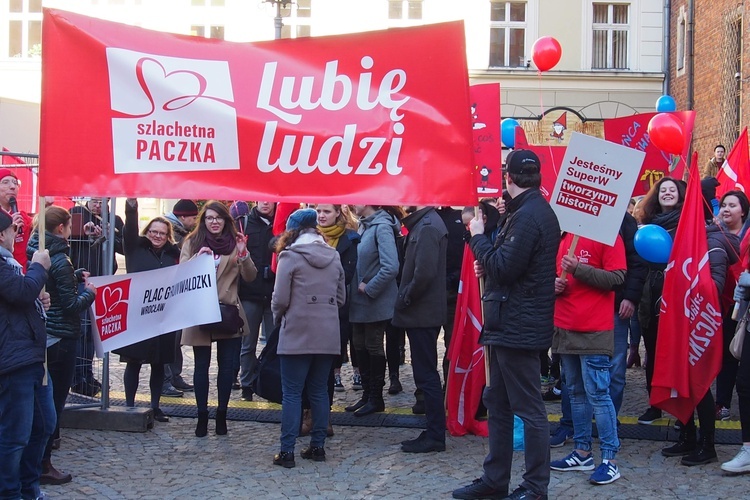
x=711, y=73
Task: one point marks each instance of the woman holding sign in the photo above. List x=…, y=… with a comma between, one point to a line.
x=661, y=206
x=153, y=249
x=216, y=235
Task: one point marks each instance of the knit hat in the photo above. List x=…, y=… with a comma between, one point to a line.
x=5, y=220
x=185, y=208
x=302, y=219
x=5, y=172
x=239, y=209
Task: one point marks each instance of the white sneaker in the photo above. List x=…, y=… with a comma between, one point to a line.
x=740, y=463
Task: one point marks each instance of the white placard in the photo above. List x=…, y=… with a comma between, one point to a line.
x=594, y=186
x=138, y=306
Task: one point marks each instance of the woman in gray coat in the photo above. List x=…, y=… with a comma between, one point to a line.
x=310, y=287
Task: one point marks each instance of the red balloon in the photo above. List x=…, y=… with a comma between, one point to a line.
x=546, y=53
x=667, y=134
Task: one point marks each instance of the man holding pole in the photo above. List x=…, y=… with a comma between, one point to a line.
x=518, y=323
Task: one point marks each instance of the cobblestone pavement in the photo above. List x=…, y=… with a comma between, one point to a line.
x=363, y=462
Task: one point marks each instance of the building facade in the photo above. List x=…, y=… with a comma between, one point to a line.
x=612, y=60
x=710, y=68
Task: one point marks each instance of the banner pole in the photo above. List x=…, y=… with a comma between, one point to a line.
x=571, y=251
x=108, y=251
x=41, y=227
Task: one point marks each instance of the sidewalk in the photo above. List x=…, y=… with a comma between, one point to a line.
x=364, y=457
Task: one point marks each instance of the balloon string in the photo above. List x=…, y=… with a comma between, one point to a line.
x=541, y=120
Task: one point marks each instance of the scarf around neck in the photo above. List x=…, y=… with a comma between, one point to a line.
x=332, y=234
x=222, y=244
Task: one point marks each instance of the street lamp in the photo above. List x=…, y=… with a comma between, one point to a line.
x=277, y=21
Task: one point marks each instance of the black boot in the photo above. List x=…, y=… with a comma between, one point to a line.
x=221, y=422
x=375, y=387
x=686, y=443
x=201, y=429
x=705, y=453
x=395, y=386
x=363, y=359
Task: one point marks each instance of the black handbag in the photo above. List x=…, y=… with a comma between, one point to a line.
x=266, y=379
x=231, y=321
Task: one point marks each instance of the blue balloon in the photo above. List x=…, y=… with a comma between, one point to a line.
x=665, y=103
x=653, y=243
x=508, y=131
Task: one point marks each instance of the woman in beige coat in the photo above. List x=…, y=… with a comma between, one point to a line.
x=215, y=234
x=310, y=287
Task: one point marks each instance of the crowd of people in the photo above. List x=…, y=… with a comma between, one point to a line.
x=366, y=277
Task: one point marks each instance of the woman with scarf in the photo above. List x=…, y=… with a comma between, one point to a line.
x=661, y=206
x=723, y=254
x=216, y=235
x=153, y=249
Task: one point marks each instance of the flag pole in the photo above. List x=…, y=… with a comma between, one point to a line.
x=41, y=228
x=485, y=348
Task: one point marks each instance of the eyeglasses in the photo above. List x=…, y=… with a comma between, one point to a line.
x=158, y=234
x=8, y=182
x=214, y=219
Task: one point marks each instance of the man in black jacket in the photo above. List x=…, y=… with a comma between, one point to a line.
x=420, y=310
x=256, y=295
x=27, y=413
x=519, y=306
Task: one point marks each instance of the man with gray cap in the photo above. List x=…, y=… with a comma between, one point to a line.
x=519, y=300
x=183, y=218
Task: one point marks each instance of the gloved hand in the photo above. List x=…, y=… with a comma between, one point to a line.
x=743, y=287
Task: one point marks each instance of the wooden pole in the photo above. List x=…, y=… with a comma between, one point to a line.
x=571, y=251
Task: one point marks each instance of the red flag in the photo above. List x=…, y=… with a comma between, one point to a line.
x=689, y=340
x=283, y=211
x=551, y=158
x=485, y=124
x=632, y=131
x=735, y=172
x=466, y=378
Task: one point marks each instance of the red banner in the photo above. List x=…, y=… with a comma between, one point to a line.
x=485, y=122
x=353, y=118
x=689, y=340
x=551, y=158
x=466, y=377
x=632, y=131
x=735, y=172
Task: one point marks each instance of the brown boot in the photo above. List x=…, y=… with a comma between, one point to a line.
x=306, y=426
x=50, y=475
x=329, y=430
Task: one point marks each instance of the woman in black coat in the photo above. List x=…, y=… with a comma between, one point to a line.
x=63, y=319
x=153, y=249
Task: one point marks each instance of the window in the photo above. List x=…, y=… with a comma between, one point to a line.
x=405, y=9
x=24, y=28
x=611, y=31
x=296, y=18
x=680, y=49
x=216, y=32
x=507, y=34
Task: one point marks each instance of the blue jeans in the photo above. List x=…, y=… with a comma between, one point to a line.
x=619, y=362
x=226, y=350
x=258, y=313
x=27, y=420
x=299, y=372
x=587, y=378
